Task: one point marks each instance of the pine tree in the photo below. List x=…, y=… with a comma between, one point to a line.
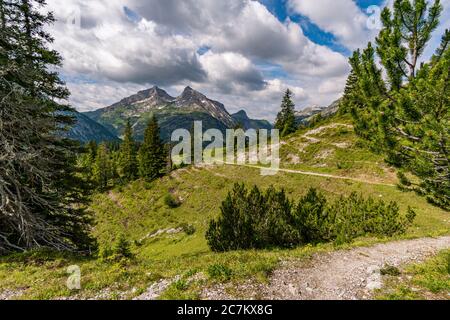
x=350, y=99
x=92, y=151
x=406, y=115
x=286, y=122
x=152, y=155
x=194, y=137
x=128, y=167
x=102, y=171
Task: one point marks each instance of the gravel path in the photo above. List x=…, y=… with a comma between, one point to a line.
x=340, y=275
x=10, y=294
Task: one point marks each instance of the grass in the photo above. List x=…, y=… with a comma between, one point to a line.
x=425, y=281
x=140, y=210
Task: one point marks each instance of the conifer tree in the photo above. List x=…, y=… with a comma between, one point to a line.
x=285, y=121
x=350, y=93
x=102, y=171
x=194, y=137
x=92, y=151
x=128, y=167
x=407, y=115
x=152, y=155
x=38, y=181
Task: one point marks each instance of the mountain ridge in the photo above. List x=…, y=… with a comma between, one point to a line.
x=306, y=115
x=241, y=118
x=107, y=124
x=172, y=113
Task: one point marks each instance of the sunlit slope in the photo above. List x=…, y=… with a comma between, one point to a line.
x=332, y=147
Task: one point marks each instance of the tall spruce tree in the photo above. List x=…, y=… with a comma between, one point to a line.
x=38, y=183
x=152, y=154
x=350, y=93
x=406, y=115
x=285, y=121
x=102, y=170
x=128, y=166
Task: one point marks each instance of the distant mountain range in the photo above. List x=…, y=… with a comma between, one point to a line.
x=173, y=113
x=306, y=115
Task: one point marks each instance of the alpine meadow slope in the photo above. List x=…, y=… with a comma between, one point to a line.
x=168, y=245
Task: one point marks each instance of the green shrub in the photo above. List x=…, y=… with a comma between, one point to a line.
x=355, y=217
x=256, y=220
x=342, y=165
x=188, y=229
x=219, y=272
x=171, y=201
x=122, y=247
x=251, y=219
x=120, y=250
x=448, y=263
x=104, y=252
x=181, y=285
x=404, y=181
x=313, y=220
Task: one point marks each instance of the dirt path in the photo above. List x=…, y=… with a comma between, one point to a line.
x=340, y=275
x=315, y=174
x=311, y=140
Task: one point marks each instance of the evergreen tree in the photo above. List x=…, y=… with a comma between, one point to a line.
x=91, y=149
x=85, y=164
x=286, y=117
x=194, y=137
x=350, y=93
x=128, y=167
x=152, y=155
x=38, y=183
x=406, y=115
x=102, y=171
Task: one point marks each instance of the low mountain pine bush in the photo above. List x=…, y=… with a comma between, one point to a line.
x=252, y=219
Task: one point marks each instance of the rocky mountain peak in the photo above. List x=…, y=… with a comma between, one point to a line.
x=197, y=101
x=241, y=114
x=190, y=94
x=242, y=119
x=157, y=92
x=149, y=97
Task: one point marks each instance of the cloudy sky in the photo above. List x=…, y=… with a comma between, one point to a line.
x=244, y=53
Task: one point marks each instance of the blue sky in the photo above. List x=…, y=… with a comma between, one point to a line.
x=244, y=53
x=280, y=9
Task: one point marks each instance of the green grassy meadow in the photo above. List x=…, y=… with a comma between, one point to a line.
x=162, y=250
